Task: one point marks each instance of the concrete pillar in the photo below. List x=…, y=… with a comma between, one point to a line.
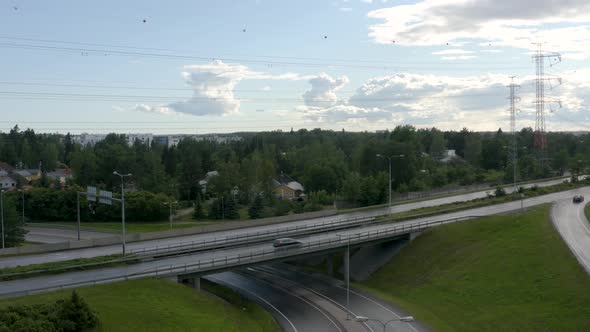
x=330, y=266
x=194, y=283
x=347, y=275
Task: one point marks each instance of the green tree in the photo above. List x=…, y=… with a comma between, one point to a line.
x=351, y=187
x=198, y=214
x=255, y=210
x=14, y=233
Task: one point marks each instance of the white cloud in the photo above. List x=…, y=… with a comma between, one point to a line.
x=564, y=25
x=458, y=57
x=213, y=87
x=452, y=51
x=345, y=9
x=323, y=90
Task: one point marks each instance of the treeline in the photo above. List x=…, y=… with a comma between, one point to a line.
x=44, y=204
x=343, y=164
x=66, y=315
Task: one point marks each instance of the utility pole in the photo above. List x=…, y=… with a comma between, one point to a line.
x=513, y=99
x=122, y=176
x=540, y=139
x=170, y=211
x=389, y=158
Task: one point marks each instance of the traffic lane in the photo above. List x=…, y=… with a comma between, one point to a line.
x=117, y=248
x=360, y=303
x=114, y=249
x=571, y=223
x=292, y=312
x=55, y=235
x=89, y=276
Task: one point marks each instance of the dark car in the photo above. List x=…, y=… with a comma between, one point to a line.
x=286, y=243
x=578, y=198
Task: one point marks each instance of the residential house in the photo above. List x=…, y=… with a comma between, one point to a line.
x=31, y=174
x=287, y=188
x=203, y=183
x=61, y=175
x=7, y=183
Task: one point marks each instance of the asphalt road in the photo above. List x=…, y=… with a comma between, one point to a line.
x=55, y=235
x=66, y=279
x=115, y=249
x=312, y=302
x=571, y=223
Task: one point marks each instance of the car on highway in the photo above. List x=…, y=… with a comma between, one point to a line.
x=578, y=198
x=286, y=242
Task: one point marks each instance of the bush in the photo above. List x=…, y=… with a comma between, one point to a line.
x=282, y=208
x=67, y=315
x=499, y=192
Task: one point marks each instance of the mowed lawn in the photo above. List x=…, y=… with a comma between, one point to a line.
x=159, y=305
x=499, y=273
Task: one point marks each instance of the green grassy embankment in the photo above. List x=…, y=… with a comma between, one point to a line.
x=587, y=211
x=159, y=305
x=498, y=273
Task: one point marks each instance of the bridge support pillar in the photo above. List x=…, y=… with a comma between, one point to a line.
x=347, y=274
x=330, y=266
x=194, y=283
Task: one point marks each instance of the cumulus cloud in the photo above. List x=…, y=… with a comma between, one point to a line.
x=564, y=25
x=213, y=87
x=452, y=51
x=323, y=90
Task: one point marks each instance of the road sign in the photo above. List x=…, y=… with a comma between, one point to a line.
x=91, y=193
x=105, y=197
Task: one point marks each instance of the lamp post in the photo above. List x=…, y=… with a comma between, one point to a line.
x=122, y=176
x=2, y=214
x=389, y=158
x=405, y=319
x=170, y=211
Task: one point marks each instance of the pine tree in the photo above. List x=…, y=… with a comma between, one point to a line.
x=255, y=211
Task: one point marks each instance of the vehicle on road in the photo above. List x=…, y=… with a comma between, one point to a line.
x=578, y=198
x=286, y=243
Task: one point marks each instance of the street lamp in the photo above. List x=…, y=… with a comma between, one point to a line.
x=2, y=214
x=389, y=158
x=170, y=213
x=122, y=176
x=405, y=319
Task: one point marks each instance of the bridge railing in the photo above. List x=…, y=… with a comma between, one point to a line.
x=247, y=236
x=254, y=255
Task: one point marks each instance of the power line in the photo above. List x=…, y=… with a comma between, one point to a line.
x=106, y=52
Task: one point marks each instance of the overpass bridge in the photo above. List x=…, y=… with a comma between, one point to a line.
x=186, y=263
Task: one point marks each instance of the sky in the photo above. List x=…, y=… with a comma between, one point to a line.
x=196, y=67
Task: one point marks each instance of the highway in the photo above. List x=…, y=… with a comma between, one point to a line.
x=238, y=256
x=57, y=235
x=115, y=249
x=571, y=223
x=310, y=302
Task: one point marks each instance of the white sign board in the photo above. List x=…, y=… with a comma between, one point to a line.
x=91, y=193
x=105, y=197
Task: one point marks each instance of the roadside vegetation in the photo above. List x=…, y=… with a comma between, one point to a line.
x=499, y=273
x=156, y=305
x=79, y=264
x=587, y=212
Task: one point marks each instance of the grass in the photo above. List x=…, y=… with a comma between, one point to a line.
x=587, y=212
x=34, y=270
x=498, y=273
x=156, y=305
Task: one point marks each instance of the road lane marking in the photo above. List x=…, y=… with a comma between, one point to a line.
x=261, y=298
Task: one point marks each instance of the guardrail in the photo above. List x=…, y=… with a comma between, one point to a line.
x=256, y=256
x=248, y=237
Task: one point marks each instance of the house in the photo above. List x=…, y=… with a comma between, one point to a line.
x=60, y=174
x=31, y=174
x=448, y=155
x=203, y=183
x=7, y=183
x=287, y=188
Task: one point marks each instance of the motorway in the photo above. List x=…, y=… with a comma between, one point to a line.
x=571, y=223
x=115, y=249
x=156, y=267
x=309, y=302
x=57, y=235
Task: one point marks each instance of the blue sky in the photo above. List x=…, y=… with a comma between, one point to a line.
x=202, y=66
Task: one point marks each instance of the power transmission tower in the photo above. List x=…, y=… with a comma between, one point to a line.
x=540, y=139
x=513, y=100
